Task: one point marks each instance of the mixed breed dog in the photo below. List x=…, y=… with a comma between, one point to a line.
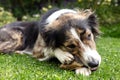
x=66, y=34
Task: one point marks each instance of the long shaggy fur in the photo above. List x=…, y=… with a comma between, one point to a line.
x=66, y=34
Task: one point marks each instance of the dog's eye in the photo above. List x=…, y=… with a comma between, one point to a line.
x=89, y=36
x=71, y=46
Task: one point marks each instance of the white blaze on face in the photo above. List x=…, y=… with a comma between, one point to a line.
x=74, y=33
x=58, y=13
x=89, y=54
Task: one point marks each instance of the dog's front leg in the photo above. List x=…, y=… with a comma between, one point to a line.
x=63, y=57
x=41, y=52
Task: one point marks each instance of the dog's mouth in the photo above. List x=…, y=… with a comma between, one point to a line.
x=77, y=63
x=94, y=69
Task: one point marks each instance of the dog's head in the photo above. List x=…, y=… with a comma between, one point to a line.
x=73, y=32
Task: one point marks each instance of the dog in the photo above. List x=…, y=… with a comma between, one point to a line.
x=66, y=34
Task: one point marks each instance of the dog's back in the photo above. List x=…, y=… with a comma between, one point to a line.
x=21, y=36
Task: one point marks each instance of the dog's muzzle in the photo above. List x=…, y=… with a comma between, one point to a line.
x=93, y=60
x=93, y=65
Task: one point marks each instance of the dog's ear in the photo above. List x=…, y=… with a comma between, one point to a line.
x=93, y=23
x=53, y=38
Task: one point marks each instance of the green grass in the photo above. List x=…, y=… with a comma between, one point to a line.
x=24, y=67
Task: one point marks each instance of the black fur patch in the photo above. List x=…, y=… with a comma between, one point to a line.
x=93, y=23
x=54, y=38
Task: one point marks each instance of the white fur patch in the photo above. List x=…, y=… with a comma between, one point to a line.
x=4, y=29
x=83, y=71
x=48, y=53
x=74, y=33
x=29, y=52
x=56, y=14
x=91, y=54
x=63, y=57
x=45, y=58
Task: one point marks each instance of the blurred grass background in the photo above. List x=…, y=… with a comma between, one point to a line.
x=23, y=67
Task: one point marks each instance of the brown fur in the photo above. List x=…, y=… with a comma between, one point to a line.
x=39, y=45
x=12, y=42
x=74, y=65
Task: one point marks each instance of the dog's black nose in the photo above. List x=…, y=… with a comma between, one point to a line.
x=93, y=64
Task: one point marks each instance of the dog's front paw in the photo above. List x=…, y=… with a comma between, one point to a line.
x=64, y=57
x=84, y=71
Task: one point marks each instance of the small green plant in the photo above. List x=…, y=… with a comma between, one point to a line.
x=36, y=16
x=5, y=17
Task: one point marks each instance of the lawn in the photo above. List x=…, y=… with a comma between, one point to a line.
x=24, y=67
